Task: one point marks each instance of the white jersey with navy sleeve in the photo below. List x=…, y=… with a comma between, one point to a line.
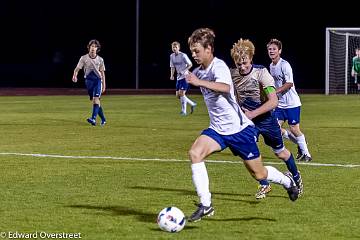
x=180, y=62
x=226, y=117
x=282, y=73
x=91, y=65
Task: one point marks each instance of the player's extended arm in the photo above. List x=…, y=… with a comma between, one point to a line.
x=284, y=88
x=172, y=72
x=215, y=86
x=76, y=71
x=103, y=80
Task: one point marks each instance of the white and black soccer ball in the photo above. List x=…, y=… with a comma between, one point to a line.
x=171, y=219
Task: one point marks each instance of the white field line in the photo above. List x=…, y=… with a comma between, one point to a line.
x=169, y=160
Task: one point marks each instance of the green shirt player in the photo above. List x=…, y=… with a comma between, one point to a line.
x=355, y=70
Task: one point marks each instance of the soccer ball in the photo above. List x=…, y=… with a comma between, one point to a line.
x=171, y=219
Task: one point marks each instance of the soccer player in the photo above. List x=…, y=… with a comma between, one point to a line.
x=355, y=70
x=180, y=62
x=289, y=101
x=94, y=73
x=256, y=94
x=229, y=126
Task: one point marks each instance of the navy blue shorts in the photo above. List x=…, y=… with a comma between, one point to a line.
x=269, y=128
x=93, y=85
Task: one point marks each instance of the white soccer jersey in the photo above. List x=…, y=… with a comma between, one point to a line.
x=180, y=62
x=91, y=64
x=282, y=73
x=225, y=114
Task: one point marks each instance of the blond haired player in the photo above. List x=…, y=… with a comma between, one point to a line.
x=255, y=93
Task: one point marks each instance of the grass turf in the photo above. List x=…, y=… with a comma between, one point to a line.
x=119, y=197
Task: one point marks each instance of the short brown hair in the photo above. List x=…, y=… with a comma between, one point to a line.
x=275, y=42
x=175, y=44
x=203, y=36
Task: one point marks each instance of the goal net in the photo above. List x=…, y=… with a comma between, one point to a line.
x=340, y=50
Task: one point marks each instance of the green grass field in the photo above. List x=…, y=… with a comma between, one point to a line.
x=61, y=175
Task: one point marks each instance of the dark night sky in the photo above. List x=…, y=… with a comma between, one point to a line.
x=34, y=32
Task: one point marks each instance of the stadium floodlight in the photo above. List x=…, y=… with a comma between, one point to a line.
x=340, y=50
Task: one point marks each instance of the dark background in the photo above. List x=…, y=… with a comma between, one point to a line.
x=42, y=41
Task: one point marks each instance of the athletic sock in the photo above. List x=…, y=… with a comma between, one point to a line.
x=278, y=177
x=183, y=104
x=101, y=114
x=192, y=103
x=201, y=182
x=95, y=111
x=291, y=166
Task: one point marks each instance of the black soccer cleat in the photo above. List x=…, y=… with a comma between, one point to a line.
x=293, y=190
x=299, y=183
x=299, y=154
x=201, y=212
x=306, y=158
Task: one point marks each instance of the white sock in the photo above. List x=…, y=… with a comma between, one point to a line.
x=285, y=134
x=291, y=136
x=183, y=104
x=189, y=101
x=201, y=182
x=277, y=177
x=303, y=145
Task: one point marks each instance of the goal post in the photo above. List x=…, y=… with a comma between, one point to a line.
x=340, y=50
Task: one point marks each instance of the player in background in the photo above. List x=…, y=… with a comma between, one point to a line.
x=289, y=105
x=180, y=63
x=229, y=126
x=256, y=94
x=355, y=69
x=94, y=73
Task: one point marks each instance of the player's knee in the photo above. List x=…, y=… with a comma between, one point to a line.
x=96, y=100
x=283, y=155
x=295, y=129
x=257, y=171
x=195, y=156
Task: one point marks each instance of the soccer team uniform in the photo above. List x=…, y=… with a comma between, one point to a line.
x=92, y=68
x=180, y=62
x=250, y=95
x=229, y=126
x=356, y=67
x=289, y=102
